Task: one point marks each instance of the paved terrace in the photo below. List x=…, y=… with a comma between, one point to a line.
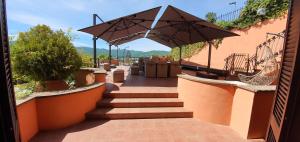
x=140, y=84
x=142, y=130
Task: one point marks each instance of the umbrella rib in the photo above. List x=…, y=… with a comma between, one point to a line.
x=190, y=23
x=141, y=25
x=166, y=26
x=109, y=28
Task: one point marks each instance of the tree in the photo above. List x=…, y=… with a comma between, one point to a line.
x=211, y=17
x=44, y=54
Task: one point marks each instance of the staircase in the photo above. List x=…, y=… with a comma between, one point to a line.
x=139, y=106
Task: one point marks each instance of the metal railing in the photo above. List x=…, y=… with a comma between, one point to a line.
x=230, y=16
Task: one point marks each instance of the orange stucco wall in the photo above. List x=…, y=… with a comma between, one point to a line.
x=66, y=110
x=261, y=110
x=251, y=112
x=211, y=103
x=54, y=112
x=28, y=122
x=247, y=42
x=245, y=111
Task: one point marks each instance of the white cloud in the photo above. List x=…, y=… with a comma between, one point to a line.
x=76, y=5
x=33, y=20
x=81, y=44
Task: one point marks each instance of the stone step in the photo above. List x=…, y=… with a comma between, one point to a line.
x=139, y=113
x=140, y=102
x=141, y=95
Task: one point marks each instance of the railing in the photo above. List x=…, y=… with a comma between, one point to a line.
x=243, y=63
x=230, y=16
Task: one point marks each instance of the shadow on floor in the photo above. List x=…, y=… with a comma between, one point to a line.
x=59, y=135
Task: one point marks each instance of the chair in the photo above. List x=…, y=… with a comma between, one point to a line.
x=150, y=69
x=268, y=73
x=162, y=69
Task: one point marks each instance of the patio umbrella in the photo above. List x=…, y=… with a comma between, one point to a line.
x=123, y=27
x=128, y=38
x=177, y=28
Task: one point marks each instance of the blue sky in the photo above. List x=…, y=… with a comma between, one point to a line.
x=77, y=14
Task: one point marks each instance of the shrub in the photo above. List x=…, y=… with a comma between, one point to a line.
x=86, y=60
x=103, y=57
x=211, y=17
x=44, y=54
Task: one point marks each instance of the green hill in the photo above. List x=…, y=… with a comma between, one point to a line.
x=133, y=53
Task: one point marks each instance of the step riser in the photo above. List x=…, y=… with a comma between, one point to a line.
x=142, y=115
x=141, y=95
x=141, y=104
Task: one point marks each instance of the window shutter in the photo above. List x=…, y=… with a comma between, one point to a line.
x=287, y=81
x=8, y=117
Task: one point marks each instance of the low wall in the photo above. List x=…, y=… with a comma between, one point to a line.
x=28, y=123
x=245, y=108
x=56, y=109
x=211, y=103
x=251, y=112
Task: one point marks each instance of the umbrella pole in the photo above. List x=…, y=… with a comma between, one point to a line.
x=209, y=55
x=117, y=52
x=180, y=53
x=109, y=56
x=95, y=42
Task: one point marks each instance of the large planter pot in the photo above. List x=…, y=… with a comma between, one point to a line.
x=84, y=77
x=52, y=85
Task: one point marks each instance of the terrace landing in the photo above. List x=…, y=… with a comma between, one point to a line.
x=140, y=84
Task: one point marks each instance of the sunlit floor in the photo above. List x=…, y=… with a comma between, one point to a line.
x=142, y=130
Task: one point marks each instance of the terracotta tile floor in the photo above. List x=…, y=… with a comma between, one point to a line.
x=142, y=130
x=140, y=84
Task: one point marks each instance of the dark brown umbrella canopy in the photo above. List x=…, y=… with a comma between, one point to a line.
x=177, y=28
x=124, y=26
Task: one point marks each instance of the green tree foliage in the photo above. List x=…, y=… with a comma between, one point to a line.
x=43, y=54
x=86, y=60
x=103, y=57
x=211, y=17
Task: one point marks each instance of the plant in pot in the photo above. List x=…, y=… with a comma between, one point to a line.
x=46, y=56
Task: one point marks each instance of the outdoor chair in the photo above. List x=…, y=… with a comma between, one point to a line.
x=150, y=69
x=162, y=69
x=134, y=70
x=106, y=66
x=175, y=69
x=118, y=75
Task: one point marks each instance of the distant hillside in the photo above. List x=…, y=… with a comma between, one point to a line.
x=133, y=53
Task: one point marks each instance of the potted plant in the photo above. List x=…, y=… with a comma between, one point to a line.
x=46, y=56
